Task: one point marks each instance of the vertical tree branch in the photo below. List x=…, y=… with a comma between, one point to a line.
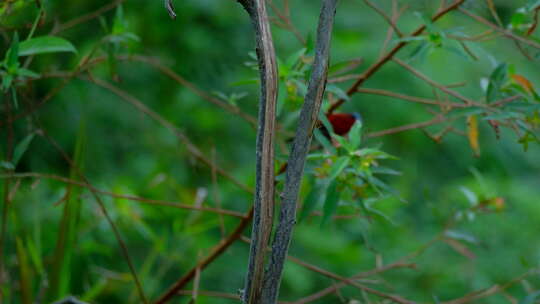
x=264, y=185
x=297, y=158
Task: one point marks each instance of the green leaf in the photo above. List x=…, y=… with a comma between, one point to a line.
x=6, y=81
x=338, y=91
x=466, y=112
x=25, y=280
x=324, y=141
x=503, y=116
x=384, y=170
x=517, y=20
x=496, y=80
x=12, y=54
x=311, y=201
x=293, y=59
x=411, y=38
x=375, y=211
x=35, y=256
x=119, y=24
x=310, y=43
x=27, y=73
x=521, y=106
x=15, y=99
x=355, y=135
x=339, y=165
x=45, y=44
x=7, y=165
x=420, y=51
x=330, y=202
x=21, y=148
x=461, y=236
x=471, y=196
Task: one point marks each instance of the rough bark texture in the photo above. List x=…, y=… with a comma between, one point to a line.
x=297, y=158
x=264, y=186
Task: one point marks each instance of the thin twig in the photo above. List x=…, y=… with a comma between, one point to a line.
x=85, y=18
x=351, y=282
x=506, y=33
x=441, y=87
x=385, y=17
x=382, y=61
x=418, y=125
x=410, y=98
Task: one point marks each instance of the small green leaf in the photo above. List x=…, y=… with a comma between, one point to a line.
x=461, y=236
x=496, y=80
x=411, y=38
x=12, y=55
x=338, y=91
x=518, y=19
x=311, y=201
x=6, y=81
x=420, y=51
x=15, y=98
x=119, y=24
x=503, y=116
x=7, y=165
x=21, y=148
x=339, y=165
x=355, y=134
x=471, y=196
x=330, y=202
x=310, y=43
x=45, y=44
x=324, y=141
x=27, y=73
x=466, y=112
x=293, y=59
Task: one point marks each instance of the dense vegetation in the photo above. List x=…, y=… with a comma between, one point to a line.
x=127, y=147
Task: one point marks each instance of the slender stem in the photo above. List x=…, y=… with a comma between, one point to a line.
x=506, y=33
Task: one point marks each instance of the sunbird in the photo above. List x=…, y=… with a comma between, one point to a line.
x=341, y=123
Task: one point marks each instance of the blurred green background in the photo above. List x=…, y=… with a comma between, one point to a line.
x=126, y=152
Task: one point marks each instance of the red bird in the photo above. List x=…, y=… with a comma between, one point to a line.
x=341, y=123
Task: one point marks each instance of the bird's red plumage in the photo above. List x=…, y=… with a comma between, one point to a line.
x=341, y=122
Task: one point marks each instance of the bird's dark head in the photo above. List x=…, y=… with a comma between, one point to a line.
x=357, y=116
